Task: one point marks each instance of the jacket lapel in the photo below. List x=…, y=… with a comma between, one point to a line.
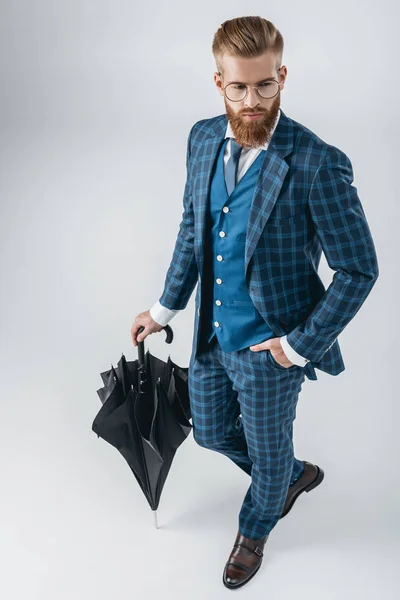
x=269, y=182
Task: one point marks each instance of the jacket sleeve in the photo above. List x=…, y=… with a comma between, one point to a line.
x=343, y=232
x=182, y=274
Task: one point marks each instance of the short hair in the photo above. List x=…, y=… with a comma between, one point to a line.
x=247, y=37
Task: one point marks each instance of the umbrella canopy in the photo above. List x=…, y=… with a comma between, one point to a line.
x=145, y=415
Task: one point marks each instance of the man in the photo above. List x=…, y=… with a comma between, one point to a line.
x=264, y=197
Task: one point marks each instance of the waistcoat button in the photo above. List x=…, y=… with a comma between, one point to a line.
x=222, y=234
x=218, y=280
x=219, y=257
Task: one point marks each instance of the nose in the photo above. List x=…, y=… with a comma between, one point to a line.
x=252, y=99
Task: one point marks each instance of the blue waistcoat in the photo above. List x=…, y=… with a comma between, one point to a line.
x=229, y=312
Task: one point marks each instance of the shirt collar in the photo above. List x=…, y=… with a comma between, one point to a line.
x=229, y=133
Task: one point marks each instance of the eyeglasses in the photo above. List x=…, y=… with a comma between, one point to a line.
x=235, y=92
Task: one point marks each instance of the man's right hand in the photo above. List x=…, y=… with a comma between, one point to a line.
x=150, y=326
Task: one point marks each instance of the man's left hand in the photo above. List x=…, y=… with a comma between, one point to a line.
x=274, y=345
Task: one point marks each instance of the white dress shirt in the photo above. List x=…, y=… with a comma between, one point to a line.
x=161, y=314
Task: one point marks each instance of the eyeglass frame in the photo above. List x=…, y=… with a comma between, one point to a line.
x=249, y=87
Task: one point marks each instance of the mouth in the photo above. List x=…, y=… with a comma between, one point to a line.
x=253, y=115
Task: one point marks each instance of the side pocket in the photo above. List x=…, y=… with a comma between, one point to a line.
x=274, y=362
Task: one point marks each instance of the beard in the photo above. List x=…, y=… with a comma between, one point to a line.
x=249, y=133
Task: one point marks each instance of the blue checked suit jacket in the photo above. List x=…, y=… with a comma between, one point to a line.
x=303, y=203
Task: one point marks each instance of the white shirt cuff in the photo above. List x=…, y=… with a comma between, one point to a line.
x=291, y=353
x=161, y=314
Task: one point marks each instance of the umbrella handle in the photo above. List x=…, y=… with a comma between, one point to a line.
x=168, y=340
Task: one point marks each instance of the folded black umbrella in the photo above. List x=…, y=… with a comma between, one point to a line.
x=145, y=415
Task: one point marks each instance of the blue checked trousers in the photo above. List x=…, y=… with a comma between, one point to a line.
x=243, y=405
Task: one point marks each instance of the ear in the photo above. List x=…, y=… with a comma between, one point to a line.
x=282, y=76
x=218, y=82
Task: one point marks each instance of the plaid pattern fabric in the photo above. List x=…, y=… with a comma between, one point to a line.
x=304, y=203
x=223, y=385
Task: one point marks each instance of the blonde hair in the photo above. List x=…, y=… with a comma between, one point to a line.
x=247, y=37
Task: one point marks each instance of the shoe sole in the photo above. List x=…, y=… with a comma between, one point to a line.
x=307, y=489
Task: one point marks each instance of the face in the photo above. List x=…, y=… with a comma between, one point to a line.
x=257, y=130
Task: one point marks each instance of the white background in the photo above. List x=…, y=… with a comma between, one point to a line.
x=97, y=100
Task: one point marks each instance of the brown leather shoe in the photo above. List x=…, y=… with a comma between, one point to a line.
x=244, y=561
x=311, y=477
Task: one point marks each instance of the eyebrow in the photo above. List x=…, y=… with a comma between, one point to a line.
x=261, y=81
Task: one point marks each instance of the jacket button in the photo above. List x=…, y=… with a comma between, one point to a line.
x=225, y=209
x=216, y=323
x=218, y=302
x=218, y=280
x=222, y=234
x=219, y=257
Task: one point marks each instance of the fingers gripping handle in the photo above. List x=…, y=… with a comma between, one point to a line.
x=168, y=340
